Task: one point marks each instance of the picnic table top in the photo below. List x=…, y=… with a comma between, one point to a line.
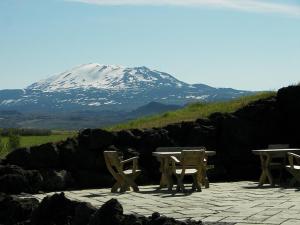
x=275, y=151
x=177, y=153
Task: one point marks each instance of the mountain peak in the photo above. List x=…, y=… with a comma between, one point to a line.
x=107, y=77
x=99, y=87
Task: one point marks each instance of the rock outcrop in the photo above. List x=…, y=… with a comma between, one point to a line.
x=59, y=210
x=15, y=210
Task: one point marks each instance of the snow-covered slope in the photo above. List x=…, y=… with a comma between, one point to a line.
x=99, y=87
x=108, y=77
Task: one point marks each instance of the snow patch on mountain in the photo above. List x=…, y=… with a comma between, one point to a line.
x=107, y=77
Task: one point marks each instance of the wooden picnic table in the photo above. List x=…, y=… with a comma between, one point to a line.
x=266, y=158
x=166, y=173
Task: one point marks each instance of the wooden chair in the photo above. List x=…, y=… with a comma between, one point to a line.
x=180, y=149
x=204, y=180
x=191, y=163
x=292, y=168
x=124, y=178
x=278, y=163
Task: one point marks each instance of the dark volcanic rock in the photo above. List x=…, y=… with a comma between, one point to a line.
x=14, y=180
x=95, y=139
x=73, y=157
x=68, y=156
x=153, y=138
x=54, y=210
x=289, y=107
x=235, y=141
x=126, y=138
x=83, y=213
x=111, y=213
x=15, y=210
x=44, y=156
x=59, y=210
x=54, y=180
x=19, y=157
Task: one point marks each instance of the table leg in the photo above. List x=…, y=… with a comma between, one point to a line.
x=163, y=177
x=164, y=180
x=166, y=177
x=266, y=173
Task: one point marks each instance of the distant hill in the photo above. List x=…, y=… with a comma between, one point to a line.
x=152, y=108
x=191, y=112
x=78, y=119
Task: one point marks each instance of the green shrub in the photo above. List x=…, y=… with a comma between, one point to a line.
x=2, y=146
x=14, y=140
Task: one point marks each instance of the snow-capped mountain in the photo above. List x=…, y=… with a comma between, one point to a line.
x=105, y=87
x=106, y=77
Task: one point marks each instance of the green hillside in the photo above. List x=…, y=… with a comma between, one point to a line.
x=191, y=112
x=28, y=141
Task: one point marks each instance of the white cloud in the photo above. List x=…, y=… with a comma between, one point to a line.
x=244, y=5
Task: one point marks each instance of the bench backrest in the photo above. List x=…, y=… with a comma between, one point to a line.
x=192, y=158
x=112, y=161
x=178, y=149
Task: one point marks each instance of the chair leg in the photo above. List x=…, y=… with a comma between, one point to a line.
x=194, y=186
x=115, y=187
x=196, y=183
x=180, y=185
x=133, y=184
x=123, y=188
x=130, y=181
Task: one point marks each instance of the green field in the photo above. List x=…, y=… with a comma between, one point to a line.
x=191, y=112
x=27, y=141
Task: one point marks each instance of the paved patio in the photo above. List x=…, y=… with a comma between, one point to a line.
x=239, y=203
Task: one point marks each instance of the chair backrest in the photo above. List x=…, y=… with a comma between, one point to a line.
x=177, y=149
x=278, y=146
x=192, y=158
x=112, y=161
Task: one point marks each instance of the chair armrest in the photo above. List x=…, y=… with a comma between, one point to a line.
x=174, y=159
x=130, y=160
x=291, y=157
x=294, y=155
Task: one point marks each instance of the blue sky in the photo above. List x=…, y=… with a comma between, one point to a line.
x=244, y=44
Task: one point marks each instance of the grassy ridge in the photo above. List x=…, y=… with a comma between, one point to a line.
x=28, y=141
x=191, y=112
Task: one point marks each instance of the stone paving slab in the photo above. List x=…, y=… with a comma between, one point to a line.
x=239, y=203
